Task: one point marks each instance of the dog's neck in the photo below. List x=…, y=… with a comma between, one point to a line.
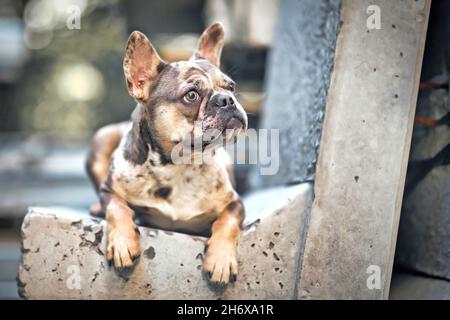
x=142, y=140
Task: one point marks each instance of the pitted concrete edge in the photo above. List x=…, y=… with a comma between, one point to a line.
x=63, y=256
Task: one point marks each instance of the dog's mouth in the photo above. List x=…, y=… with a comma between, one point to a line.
x=233, y=129
x=236, y=123
x=234, y=126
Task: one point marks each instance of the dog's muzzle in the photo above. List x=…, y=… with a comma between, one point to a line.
x=227, y=110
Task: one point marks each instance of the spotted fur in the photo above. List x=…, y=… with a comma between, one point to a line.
x=131, y=164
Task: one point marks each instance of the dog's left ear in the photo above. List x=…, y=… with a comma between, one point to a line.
x=141, y=65
x=211, y=44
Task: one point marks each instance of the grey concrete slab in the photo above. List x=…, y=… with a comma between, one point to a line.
x=364, y=151
x=298, y=76
x=63, y=256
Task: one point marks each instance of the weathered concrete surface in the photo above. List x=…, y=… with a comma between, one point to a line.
x=364, y=151
x=299, y=70
x=59, y=245
x=424, y=232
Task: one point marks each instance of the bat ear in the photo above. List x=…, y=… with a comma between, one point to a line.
x=141, y=66
x=211, y=44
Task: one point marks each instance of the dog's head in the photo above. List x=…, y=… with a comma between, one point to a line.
x=186, y=100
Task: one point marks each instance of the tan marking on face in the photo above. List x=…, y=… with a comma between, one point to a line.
x=172, y=125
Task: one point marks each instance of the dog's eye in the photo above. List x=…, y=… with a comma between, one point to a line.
x=191, y=96
x=232, y=87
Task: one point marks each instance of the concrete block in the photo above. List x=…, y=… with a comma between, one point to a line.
x=351, y=237
x=63, y=255
x=298, y=76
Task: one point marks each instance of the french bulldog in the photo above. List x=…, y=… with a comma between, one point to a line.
x=132, y=164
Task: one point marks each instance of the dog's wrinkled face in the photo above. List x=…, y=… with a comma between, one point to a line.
x=187, y=100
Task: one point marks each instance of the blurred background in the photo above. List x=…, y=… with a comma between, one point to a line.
x=61, y=78
x=60, y=81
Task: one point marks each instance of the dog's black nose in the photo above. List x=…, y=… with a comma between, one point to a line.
x=223, y=100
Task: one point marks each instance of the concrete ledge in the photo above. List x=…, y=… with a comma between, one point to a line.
x=63, y=255
x=364, y=151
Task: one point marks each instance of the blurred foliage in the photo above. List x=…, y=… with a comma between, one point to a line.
x=76, y=84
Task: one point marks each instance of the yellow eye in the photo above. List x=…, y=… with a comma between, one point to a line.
x=191, y=96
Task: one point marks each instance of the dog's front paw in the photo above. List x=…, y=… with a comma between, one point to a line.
x=123, y=247
x=221, y=262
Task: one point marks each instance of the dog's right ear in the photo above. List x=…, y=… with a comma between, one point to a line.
x=141, y=65
x=210, y=44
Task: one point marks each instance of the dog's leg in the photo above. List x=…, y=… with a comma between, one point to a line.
x=103, y=145
x=221, y=256
x=123, y=246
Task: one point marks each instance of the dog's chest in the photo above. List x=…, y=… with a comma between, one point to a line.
x=179, y=192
